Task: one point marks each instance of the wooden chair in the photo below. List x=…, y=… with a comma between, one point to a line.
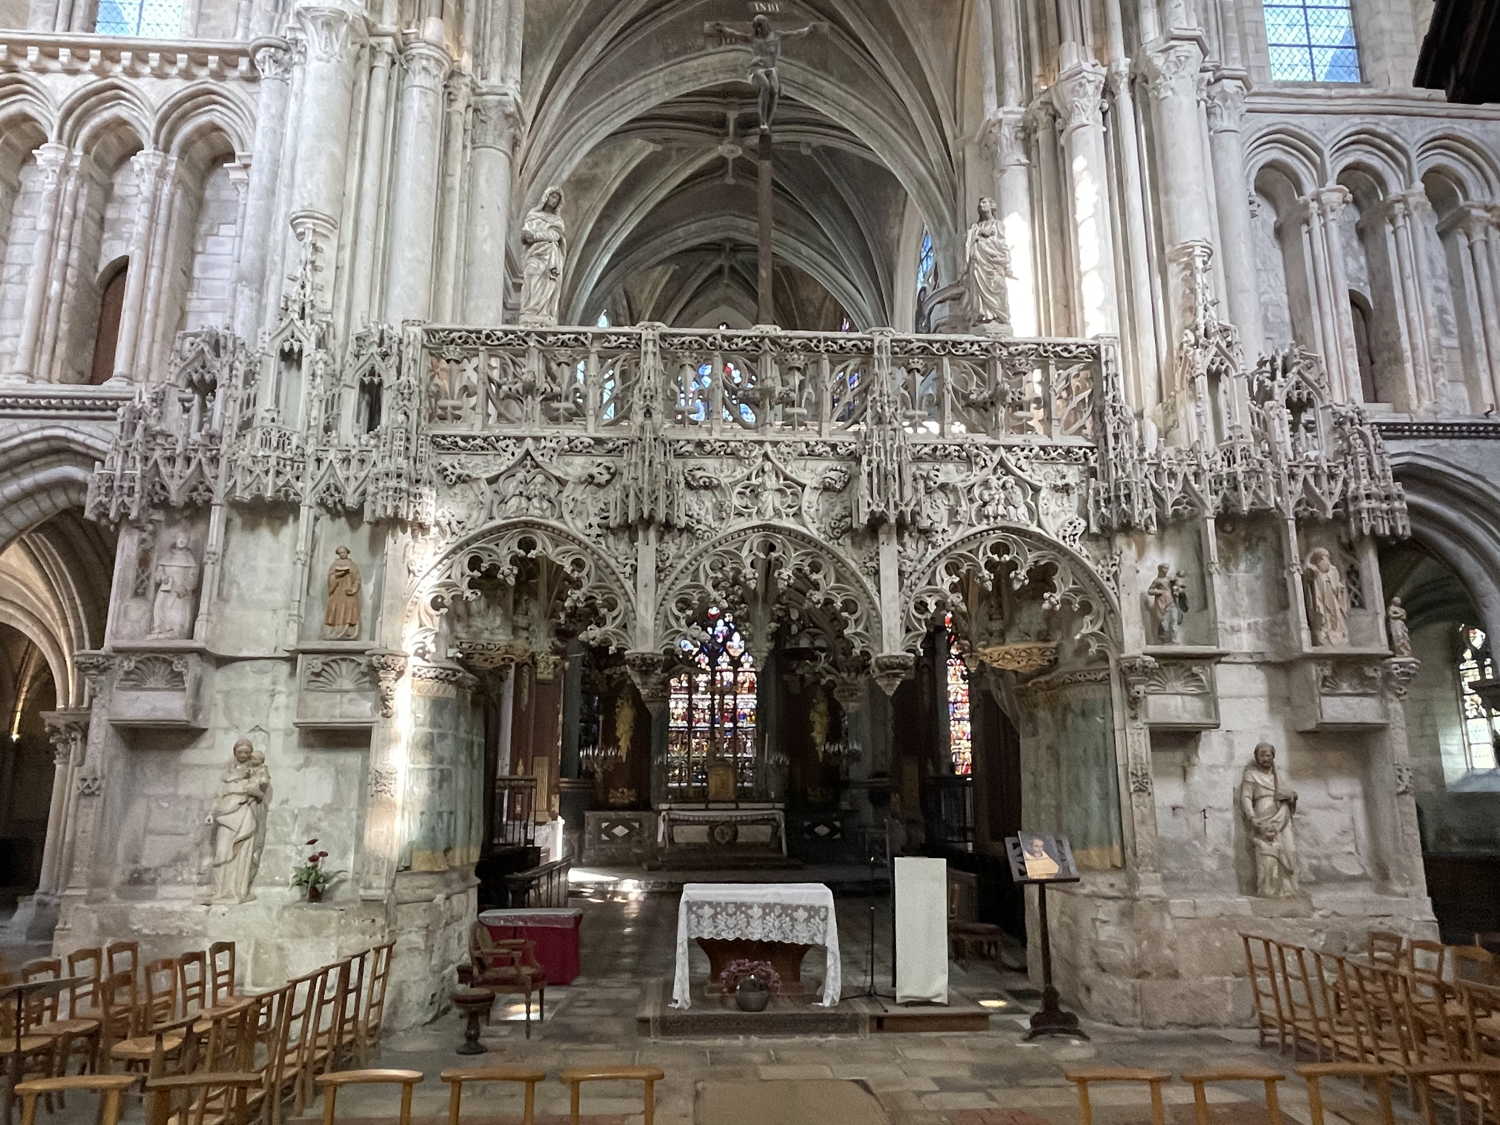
x=119, y=1003
x=220, y=1097
x=268, y=1022
x=192, y=981
x=350, y=1037
x=320, y=1048
x=1264, y=993
x=1299, y=999
x=302, y=994
x=1314, y=1074
x=1480, y=1020
x=122, y=957
x=109, y=1087
x=1380, y=996
x=1475, y=1082
x=76, y=1035
x=508, y=965
x=1426, y=958
x=1343, y=1023
x=1199, y=1080
x=162, y=1001
x=649, y=1076
x=1488, y=939
x=89, y=964
x=1474, y=963
x=221, y=972
x=374, y=1008
x=1386, y=949
x=530, y=1076
x=33, y=1054
x=170, y=1047
x=336, y=1080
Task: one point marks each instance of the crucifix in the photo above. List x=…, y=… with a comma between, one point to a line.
x=765, y=57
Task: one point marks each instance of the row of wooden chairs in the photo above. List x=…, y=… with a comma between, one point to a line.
x=1433, y=958
x=1424, y=1078
x=1353, y=1009
x=225, y=1097
x=173, y=1021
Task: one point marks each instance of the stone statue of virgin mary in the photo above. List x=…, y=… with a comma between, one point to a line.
x=544, y=237
x=986, y=268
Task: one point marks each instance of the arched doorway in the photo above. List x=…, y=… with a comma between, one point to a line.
x=27, y=692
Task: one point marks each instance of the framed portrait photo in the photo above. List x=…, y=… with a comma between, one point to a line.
x=1041, y=857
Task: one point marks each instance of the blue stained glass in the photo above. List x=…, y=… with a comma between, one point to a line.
x=1312, y=41
x=145, y=19
x=712, y=712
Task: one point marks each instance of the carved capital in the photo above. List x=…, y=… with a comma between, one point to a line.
x=1025, y=658
x=1007, y=138
x=68, y=731
x=547, y=664
x=1078, y=95
x=1171, y=71
x=330, y=35
x=388, y=668
x=426, y=65
x=1400, y=671
x=1226, y=105
x=273, y=59
x=1135, y=671
x=94, y=665
x=496, y=120
x=648, y=673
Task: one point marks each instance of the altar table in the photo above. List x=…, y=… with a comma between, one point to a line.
x=793, y=913
x=723, y=826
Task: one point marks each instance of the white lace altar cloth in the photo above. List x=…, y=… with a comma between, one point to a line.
x=799, y=913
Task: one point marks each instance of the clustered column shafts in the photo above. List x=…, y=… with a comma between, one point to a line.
x=273, y=60
x=1226, y=115
x=413, y=210
x=1078, y=96
x=57, y=174
x=493, y=138
x=1477, y=230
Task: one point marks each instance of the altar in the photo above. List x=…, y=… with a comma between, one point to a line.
x=775, y=922
x=746, y=826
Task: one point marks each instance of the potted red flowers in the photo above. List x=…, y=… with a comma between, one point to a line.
x=751, y=983
x=311, y=876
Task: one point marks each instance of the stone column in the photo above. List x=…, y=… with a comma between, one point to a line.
x=1474, y=226
x=367, y=245
x=447, y=287
x=273, y=60
x=151, y=171
x=1077, y=95
x=1226, y=114
x=52, y=159
x=332, y=38
x=1182, y=182
x=496, y=117
x=82, y=178
x=413, y=209
x=1406, y=266
x=1137, y=300
x=1330, y=325
x=36, y=914
x=1006, y=137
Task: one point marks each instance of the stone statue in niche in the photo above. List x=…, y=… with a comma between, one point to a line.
x=1330, y=600
x=1400, y=635
x=1267, y=807
x=1167, y=596
x=238, y=821
x=986, y=268
x=544, y=237
x=176, y=580
x=341, y=609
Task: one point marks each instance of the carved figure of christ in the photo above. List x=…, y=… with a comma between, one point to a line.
x=765, y=57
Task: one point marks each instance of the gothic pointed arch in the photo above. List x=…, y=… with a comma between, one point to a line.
x=583, y=591
x=1023, y=558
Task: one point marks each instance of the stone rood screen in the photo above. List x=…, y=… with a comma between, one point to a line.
x=737, y=382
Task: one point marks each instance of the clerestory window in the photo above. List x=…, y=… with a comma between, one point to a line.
x=1479, y=721
x=1312, y=41
x=142, y=19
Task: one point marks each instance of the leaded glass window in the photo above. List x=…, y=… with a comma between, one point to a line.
x=693, y=399
x=1474, y=663
x=1312, y=41
x=712, y=710
x=144, y=19
x=926, y=263
x=960, y=724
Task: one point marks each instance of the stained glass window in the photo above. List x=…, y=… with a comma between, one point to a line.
x=960, y=725
x=1312, y=41
x=693, y=399
x=711, y=714
x=1474, y=663
x=926, y=262
x=145, y=19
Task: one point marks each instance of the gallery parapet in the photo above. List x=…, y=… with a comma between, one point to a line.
x=763, y=380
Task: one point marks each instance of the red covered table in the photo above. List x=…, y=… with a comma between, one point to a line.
x=554, y=931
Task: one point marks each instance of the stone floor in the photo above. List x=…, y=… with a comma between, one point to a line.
x=994, y=1078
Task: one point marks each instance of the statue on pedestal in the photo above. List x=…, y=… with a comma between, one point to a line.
x=544, y=237
x=1168, y=598
x=986, y=268
x=1267, y=808
x=238, y=819
x=341, y=609
x=1400, y=635
x=1330, y=600
x=176, y=580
